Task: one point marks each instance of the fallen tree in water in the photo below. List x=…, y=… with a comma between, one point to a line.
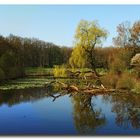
x=89, y=89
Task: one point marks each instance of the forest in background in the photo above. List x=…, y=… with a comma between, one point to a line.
x=17, y=53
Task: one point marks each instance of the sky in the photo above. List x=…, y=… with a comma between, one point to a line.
x=57, y=23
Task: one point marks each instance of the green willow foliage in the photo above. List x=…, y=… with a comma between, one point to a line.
x=88, y=36
x=78, y=58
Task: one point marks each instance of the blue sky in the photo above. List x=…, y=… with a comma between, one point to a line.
x=57, y=23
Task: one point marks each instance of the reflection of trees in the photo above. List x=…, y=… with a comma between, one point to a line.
x=12, y=97
x=127, y=109
x=86, y=118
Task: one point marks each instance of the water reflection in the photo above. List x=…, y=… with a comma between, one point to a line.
x=86, y=117
x=13, y=97
x=127, y=109
x=86, y=113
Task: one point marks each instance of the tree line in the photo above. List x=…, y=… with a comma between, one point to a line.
x=16, y=53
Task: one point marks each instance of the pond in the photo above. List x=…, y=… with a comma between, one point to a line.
x=34, y=111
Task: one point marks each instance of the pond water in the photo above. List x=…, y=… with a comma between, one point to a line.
x=35, y=112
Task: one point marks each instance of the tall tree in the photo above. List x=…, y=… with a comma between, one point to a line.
x=88, y=36
x=124, y=35
x=135, y=34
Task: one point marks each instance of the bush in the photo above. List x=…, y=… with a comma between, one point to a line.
x=15, y=72
x=110, y=80
x=135, y=61
x=136, y=87
x=60, y=71
x=117, y=66
x=126, y=81
x=9, y=69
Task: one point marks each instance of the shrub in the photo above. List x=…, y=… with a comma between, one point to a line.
x=60, y=71
x=110, y=80
x=135, y=61
x=136, y=87
x=15, y=72
x=117, y=66
x=126, y=81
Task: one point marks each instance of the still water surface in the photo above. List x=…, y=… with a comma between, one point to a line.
x=34, y=112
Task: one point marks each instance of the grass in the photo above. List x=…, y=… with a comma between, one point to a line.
x=38, y=71
x=34, y=71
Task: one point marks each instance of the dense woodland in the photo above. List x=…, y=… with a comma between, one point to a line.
x=17, y=53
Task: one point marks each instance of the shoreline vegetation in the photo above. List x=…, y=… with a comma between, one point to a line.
x=90, y=67
x=84, y=82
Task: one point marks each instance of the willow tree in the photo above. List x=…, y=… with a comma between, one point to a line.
x=88, y=36
x=77, y=60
